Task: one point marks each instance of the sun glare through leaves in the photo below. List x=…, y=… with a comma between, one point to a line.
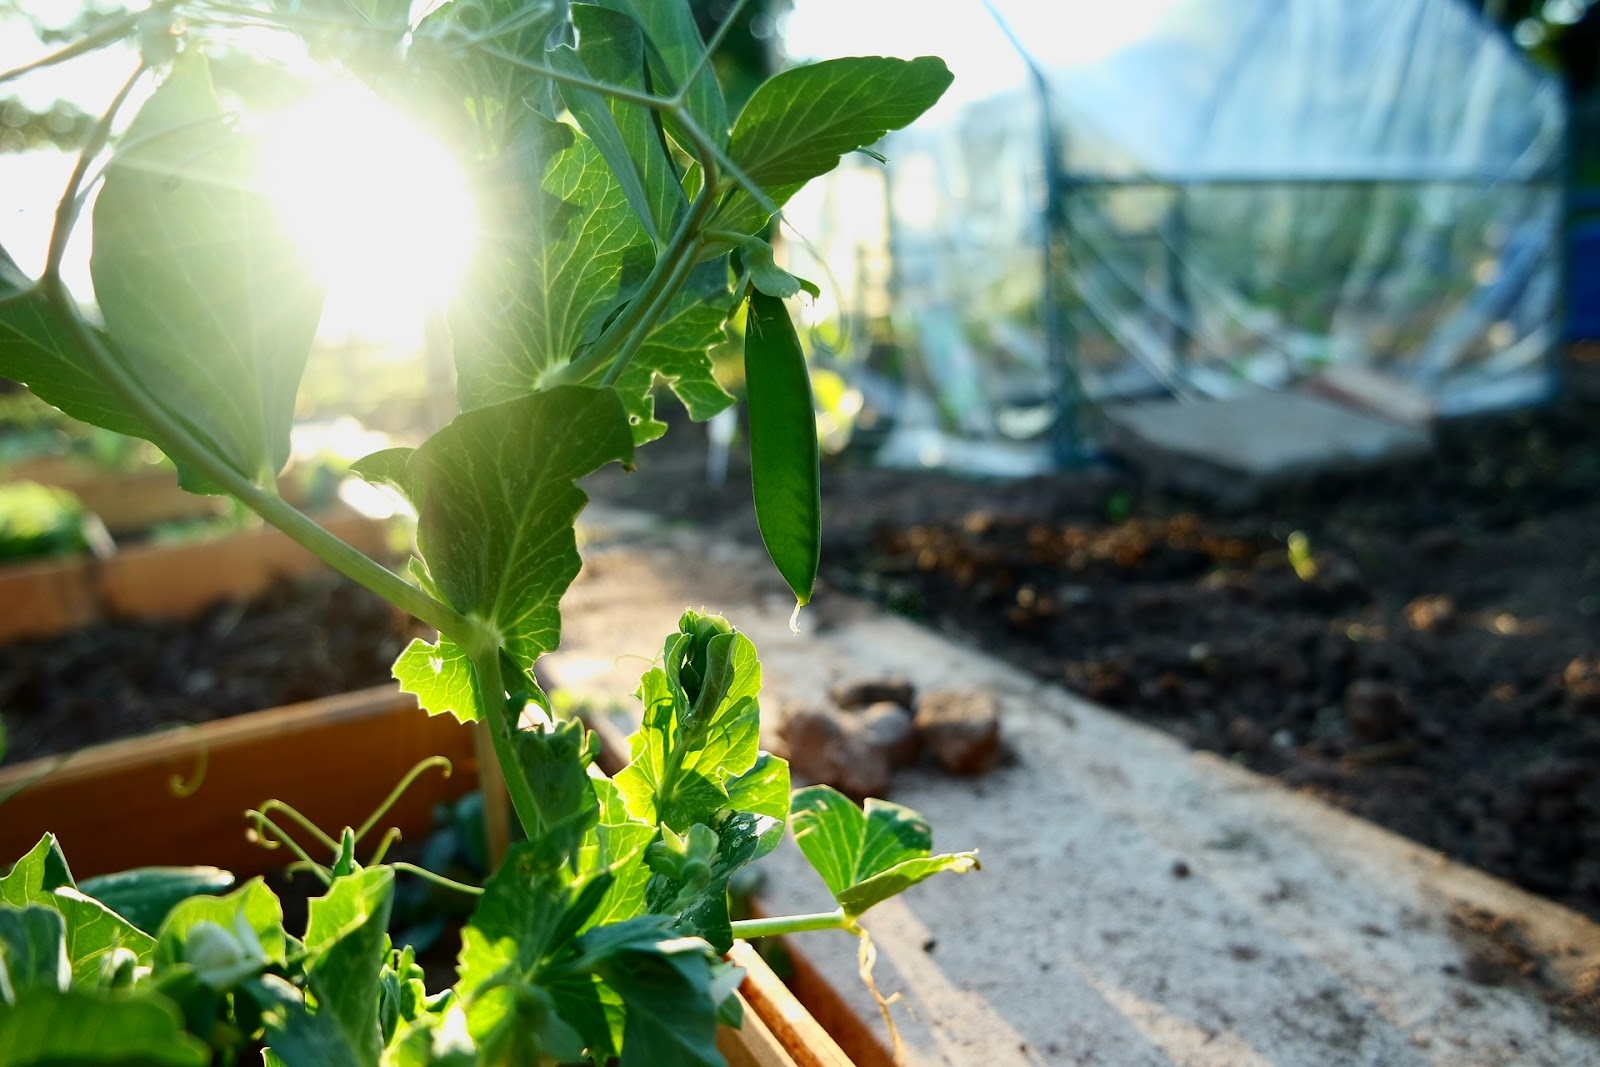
x=380, y=210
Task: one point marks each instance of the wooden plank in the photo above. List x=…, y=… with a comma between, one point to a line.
x=47, y=597
x=854, y=1036
x=788, y=1020
x=753, y=1044
x=178, y=581
x=113, y=806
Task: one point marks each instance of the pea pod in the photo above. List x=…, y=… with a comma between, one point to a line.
x=785, y=465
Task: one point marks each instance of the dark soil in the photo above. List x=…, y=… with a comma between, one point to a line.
x=301, y=641
x=1436, y=667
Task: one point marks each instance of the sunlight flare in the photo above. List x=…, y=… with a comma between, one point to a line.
x=381, y=211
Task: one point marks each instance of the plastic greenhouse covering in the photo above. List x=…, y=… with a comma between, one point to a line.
x=1192, y=198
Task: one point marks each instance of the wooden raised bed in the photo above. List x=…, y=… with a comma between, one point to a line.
x=122, y=804
x=125, y=501
x=777, y=1031
x=49, y=597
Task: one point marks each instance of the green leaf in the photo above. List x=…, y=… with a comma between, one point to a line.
x=146, y=895
x=678, y=351
x=611, y=50
x=528, y=915
x=763, y=789
x=867, y=856
x=94, y=931
x=742, y=838
x=506, y=473
x=617, y=850
x=685, y=754
x=33, y=950
x=387, y=466
x=440, y=676
x=785, y=462
x=37, y=348
x=665, y=986
x=756, y=256
x=252, y=906
x=675, y=50
x=499, y=94
x=564, y=249
x=34, y=877
x=50, y=1028
x=554, y=760
x=198, y=282
x=801, y=122
x=347, y=937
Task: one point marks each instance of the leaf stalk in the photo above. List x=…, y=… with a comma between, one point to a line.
x=778, y=926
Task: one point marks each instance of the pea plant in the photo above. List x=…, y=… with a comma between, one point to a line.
x=625, y=225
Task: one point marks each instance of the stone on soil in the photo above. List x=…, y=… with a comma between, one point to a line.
x=889, y=727
x=826, y=746
x=961, y=727
x=863, y=693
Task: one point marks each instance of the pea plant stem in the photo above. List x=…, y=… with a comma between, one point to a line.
x=792, y=924
x=483, y=650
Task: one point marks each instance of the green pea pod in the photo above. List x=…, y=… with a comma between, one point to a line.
x=784, y=462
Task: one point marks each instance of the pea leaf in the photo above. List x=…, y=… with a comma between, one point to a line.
x=525, y=921
x=616, y=849
x=867, y=856
x=684, y=756
x=800, y=123
x=756, y=256
x=346, y=935
x=675, y=51
x=500, y=94
x=146, y=895
x=197, y=280
x=742, y=837
x=671, y=1018
x=33, y=950
x=252, y=905
x=763, y=789
x=611, y=50
x=38, y=350
x=554, y=760
x=34, y=877
x=48, y=1027
x=440, y=677
x=563, y=250
x=506, y=473
x=678, y=352
x=785, y=461
x=93, y=931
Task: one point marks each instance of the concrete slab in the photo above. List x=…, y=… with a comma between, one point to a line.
x=1139, y=904
x=1236, y=448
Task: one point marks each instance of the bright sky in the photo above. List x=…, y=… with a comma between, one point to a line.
x=1059, y=33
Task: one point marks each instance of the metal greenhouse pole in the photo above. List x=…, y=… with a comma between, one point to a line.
x=1067, y=441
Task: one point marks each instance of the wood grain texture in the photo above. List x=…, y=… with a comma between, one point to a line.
x=766, y=997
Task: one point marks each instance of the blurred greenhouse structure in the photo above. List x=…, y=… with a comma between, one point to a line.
x=1191, y=198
